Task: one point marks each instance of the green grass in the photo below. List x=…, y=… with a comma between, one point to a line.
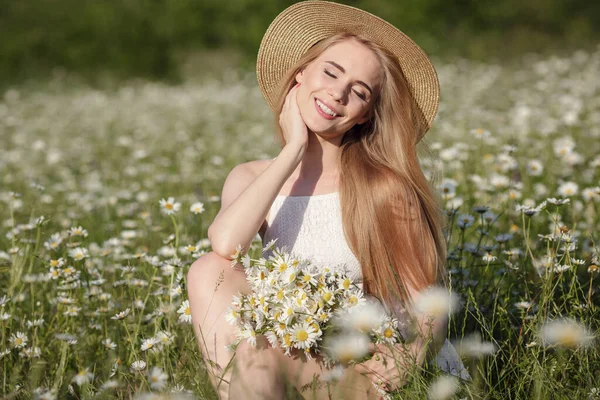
x=103, y=158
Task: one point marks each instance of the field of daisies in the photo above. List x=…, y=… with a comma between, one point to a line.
x=106, y=197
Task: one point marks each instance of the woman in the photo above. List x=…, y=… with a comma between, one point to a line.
x=353, y=96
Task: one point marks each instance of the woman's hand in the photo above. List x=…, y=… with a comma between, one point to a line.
x=381, y=369
x=291, y=122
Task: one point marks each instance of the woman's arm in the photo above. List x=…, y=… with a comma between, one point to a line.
x=246, y=200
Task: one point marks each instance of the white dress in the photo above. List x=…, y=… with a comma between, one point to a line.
x=311, y=228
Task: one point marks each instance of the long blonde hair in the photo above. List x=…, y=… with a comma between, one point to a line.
x=391, y=218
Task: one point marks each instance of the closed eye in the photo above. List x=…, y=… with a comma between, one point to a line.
x=362, y=96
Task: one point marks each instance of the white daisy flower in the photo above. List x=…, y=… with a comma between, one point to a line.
x=121, y=315
x=354, y=298
x=78, y=231
x=328, y=297
x=137, y=365
x=568, y=189
x=72, y=311
x=272, y=338
x=563, y=146
x=82, y=377
x=109, y=344
x=488, y=257
x=304, y=335
x=197, y=208
x=79, y=253
x=344, y=283
x=534, y=167
x=56, y=263
x=165, y=338
x=54, y=242
x=387, y=332
x=591, y=193
x=169, y=206
x=288, y=276
x=149, y=344
x=18, y=340
x=185, y=314
x=157, y=378
x=288, y=312
x=248, y=333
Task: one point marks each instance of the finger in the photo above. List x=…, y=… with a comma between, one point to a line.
x=372, y=348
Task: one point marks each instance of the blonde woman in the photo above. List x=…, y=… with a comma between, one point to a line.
x=352, y=97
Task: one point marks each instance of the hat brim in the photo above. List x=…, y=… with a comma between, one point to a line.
x=303, y=24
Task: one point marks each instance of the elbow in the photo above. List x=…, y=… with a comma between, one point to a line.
x=219, y=244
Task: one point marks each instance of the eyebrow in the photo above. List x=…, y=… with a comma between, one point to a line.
x=338, y=66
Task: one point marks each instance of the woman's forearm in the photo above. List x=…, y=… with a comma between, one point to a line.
x=239, y=223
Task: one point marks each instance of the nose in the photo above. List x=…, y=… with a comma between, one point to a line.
x=338, y=92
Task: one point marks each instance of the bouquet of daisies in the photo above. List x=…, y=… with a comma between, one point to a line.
x=298, y=305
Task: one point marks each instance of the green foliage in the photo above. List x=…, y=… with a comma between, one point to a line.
x=150, y=38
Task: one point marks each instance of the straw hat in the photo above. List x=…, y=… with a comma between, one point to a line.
x=303, y=24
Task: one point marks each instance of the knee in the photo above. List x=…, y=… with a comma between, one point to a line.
x=205, y=272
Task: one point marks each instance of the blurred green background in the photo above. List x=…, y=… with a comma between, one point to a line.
x=172, y=39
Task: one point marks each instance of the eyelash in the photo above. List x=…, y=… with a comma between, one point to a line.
x=358, y=94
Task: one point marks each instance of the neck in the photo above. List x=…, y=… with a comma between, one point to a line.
x=321, y=158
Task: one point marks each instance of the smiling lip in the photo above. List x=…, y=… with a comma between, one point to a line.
x=323, y=113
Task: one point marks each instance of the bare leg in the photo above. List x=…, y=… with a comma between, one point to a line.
x=211, y=283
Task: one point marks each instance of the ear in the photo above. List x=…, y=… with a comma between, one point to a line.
x=300, y=76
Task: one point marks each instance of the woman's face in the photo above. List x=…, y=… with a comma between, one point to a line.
x=338, y=89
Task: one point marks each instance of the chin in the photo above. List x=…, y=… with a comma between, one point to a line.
x=318, y=125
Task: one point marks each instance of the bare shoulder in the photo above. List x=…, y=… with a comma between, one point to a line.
x=258, y=166
x=239, y=178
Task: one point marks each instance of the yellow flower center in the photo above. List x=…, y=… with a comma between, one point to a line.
x=302, y=335
x=388, y=333
x=169, y=206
